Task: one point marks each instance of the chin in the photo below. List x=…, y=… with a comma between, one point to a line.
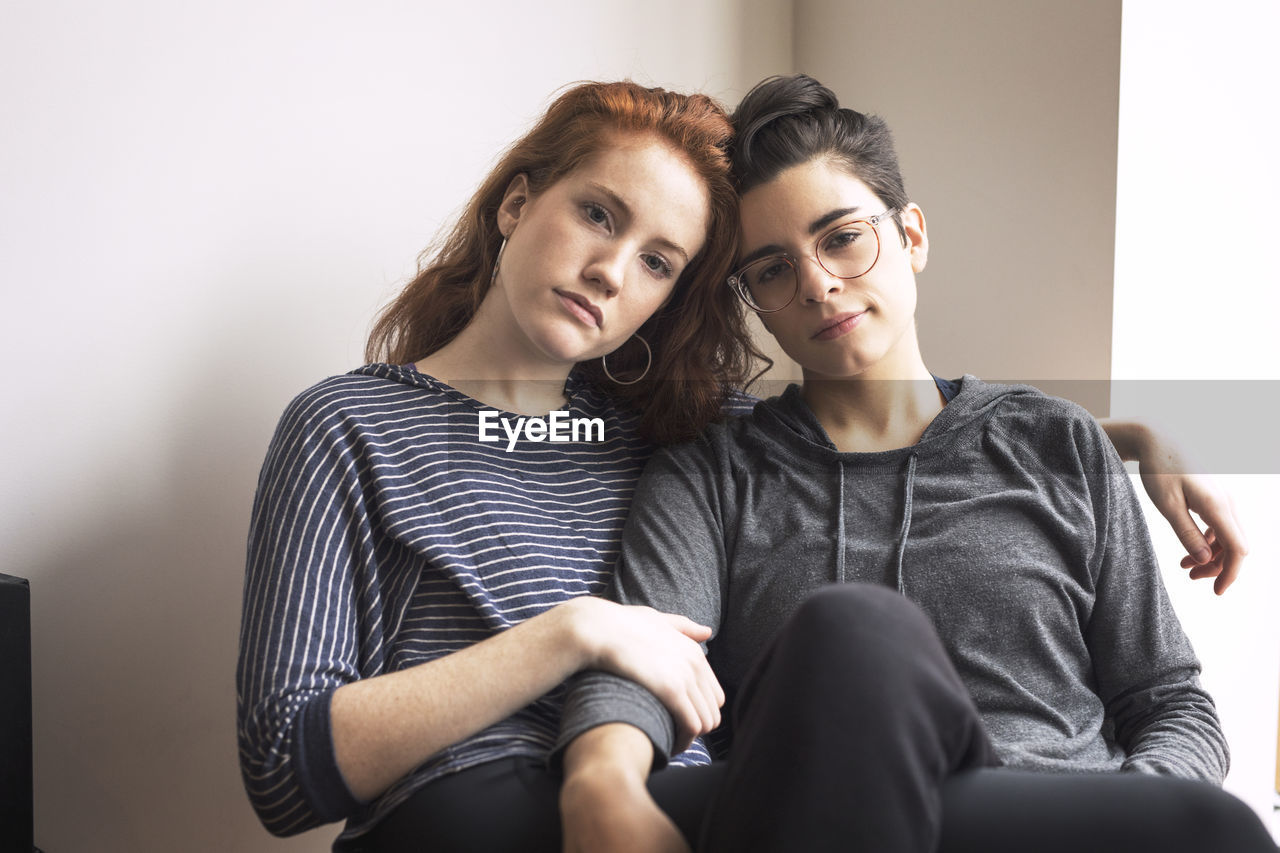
x=847, y=368
x=566, y=348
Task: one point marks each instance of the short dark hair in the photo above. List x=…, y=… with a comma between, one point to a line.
x=785, y=121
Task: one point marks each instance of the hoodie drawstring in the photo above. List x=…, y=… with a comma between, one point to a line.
x=908, y=492
x=840, y=527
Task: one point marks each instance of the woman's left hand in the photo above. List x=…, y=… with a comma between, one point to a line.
x=1219, y=550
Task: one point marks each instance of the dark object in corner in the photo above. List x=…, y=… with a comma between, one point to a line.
x=16, y=800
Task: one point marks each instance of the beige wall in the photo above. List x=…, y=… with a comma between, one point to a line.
x=1005, y=117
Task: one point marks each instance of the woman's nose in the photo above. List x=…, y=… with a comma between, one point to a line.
x=816, y=284
x=607, y=270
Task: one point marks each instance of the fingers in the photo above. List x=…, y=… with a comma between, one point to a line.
x=706, y=694
x=1186, y=529
x=692, y=630
x=709, y=686
x=1209, y=567
x=687, y=723
x=1229, y=546
x=1219, y=551
x=696, y=700
x=661, y=651
x=694, y=713
x=1233, y=548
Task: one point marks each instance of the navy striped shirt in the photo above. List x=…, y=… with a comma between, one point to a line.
x=384, y=534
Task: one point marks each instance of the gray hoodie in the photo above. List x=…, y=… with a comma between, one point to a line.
x=1012, y=523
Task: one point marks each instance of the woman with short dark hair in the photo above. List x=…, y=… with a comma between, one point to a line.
x=936, y=611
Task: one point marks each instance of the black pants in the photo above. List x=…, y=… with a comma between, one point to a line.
x=853, y=732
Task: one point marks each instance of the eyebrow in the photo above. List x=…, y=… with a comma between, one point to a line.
x=826, y=219
x=814, y=227
x=616, y=201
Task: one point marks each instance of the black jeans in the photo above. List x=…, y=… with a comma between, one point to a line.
x=853, y=732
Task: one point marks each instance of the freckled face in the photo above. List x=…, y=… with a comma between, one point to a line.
x=595, y=254
x=837, y=327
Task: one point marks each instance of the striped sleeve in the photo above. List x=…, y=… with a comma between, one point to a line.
x=309, y=537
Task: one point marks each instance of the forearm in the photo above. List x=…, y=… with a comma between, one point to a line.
x=385, y=726
x=599, y=699
x=605, y=804
x=615, y=750
x=1132, y=438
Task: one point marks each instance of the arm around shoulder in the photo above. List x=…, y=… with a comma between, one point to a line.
x=1177, y=491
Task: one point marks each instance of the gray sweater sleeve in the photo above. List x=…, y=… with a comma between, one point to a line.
x=1146, y=670
x=673, y=560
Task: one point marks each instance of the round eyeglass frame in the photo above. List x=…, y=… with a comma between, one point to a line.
x=735, y=281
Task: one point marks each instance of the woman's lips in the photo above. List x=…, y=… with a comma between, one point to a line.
x=581, y=308
x=841, y=324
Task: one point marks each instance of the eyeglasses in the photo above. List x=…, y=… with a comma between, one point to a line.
x=846, y=251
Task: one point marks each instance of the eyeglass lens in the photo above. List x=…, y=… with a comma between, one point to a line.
x=846, y=252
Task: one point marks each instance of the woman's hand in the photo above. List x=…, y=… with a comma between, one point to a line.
x=1219, y=550
x=660, y=651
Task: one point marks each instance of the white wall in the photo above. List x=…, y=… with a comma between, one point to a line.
x=201, y=208
x=1197, y=294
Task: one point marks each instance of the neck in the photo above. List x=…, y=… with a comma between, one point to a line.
x=492, y=361
x=875, y=410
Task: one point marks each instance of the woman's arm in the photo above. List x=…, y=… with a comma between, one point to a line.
x=673, y=559
x=321, y=728
x=1219, y=551
x=614, y=732
x=604, y=804
x=385, y=726
x=1146, y=672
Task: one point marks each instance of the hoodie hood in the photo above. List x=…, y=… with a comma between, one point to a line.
x=969, y=399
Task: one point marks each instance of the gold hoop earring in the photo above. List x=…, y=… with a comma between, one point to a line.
x=498, y=261
x=649, y=363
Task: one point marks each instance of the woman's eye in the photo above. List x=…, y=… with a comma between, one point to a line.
x=770, y=272
x=842, y=239
x=595, y=213
x=657, y=264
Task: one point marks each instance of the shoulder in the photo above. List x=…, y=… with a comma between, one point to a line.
x=370, y=399
x=371, y=386
x=738, y=404
x=722, y=436
x=1028, y=411
x=718, y=450
x=1061, y=434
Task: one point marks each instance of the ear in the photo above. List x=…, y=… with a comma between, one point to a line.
x=514, y=201
x=917, y=236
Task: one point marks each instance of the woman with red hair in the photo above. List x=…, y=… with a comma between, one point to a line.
x=415, y=591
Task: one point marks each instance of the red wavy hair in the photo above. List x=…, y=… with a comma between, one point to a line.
x=701, y=346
